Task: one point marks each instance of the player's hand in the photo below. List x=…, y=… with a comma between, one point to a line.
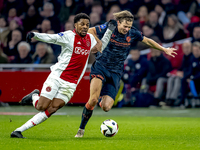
x=29, y=36
x=112, y=24
x=170, y=51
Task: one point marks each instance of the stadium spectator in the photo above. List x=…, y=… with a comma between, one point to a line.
x=135, y=70
x=11, y=49
x=69, y=8
x=4, y=31
x=193, y=77
x=30, y=20
x=161, y=14
x=173, y=30
x=69, y=26
x=168, y=6
x=97, y=8
x=56, y=5
x=114, y=8
x=28, y=3
x=174, y=81
x=24, y=56
x=194, y=9
x=3, y=58
x=196, y=34
x=43, y=54
x=159, y=66
x=153, y=22
x=150, y=4
x=45, y=26
x=94, y=19
x=17, y=4
x=71, y=18
x=126, y=5
x=142, y=16
x=48, y=13
x=13, y=25
x=182, y=9
x=12, y=13
x=147, y=30
x=86, y=6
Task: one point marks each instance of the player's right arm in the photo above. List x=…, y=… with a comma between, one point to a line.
x=58, y=39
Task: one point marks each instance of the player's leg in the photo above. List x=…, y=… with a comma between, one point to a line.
x=109, y=92
x=39, y=118
x=95, y=90
x=39, y=102
x=54, y=106
x=49, y=91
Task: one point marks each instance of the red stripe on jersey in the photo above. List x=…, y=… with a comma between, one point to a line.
x=78, y=59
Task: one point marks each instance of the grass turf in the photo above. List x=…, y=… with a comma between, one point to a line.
x=135, y=132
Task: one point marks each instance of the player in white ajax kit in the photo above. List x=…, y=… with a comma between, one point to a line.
x=65, y=75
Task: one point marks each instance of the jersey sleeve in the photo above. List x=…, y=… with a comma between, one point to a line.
x=93, y=41
x=101, y=29
x=59, y=39
x=138, y=35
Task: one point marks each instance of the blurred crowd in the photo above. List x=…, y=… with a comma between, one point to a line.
x=162, y=20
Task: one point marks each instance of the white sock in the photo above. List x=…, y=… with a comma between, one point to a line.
x=37, y=119
x=35, y=98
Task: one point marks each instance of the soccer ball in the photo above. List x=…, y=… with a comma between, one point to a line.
x=109, y=128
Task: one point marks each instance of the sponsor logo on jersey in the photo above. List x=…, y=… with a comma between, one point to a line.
x=48, y=89
x=61, y=34
x=103, y=26
x=79, y=50
x=128, y=38
x=88, y=43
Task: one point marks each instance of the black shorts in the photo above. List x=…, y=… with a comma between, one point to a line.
x=111, y=80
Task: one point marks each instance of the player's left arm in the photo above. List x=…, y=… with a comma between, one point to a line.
x=98, y=45
x=155, y=45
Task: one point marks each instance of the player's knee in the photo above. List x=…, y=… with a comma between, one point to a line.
x=106, y=108
x=41, y=107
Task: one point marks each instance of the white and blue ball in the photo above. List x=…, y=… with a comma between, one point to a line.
x=109, y=128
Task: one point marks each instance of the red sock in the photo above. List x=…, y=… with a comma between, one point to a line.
x=87, y=105
x=100, y=104
x=36, y=103
x=47, y=113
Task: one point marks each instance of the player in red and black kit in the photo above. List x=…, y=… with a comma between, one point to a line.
x=107, y=70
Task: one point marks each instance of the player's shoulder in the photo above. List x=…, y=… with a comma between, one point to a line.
x=102, y=26
x=133, y=30
x=66, y=33
x=91, y=36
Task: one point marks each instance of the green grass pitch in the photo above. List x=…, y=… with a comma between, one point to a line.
x=139, y=129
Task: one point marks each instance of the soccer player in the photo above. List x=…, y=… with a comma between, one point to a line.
x=65, y=75
x=107, y=70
